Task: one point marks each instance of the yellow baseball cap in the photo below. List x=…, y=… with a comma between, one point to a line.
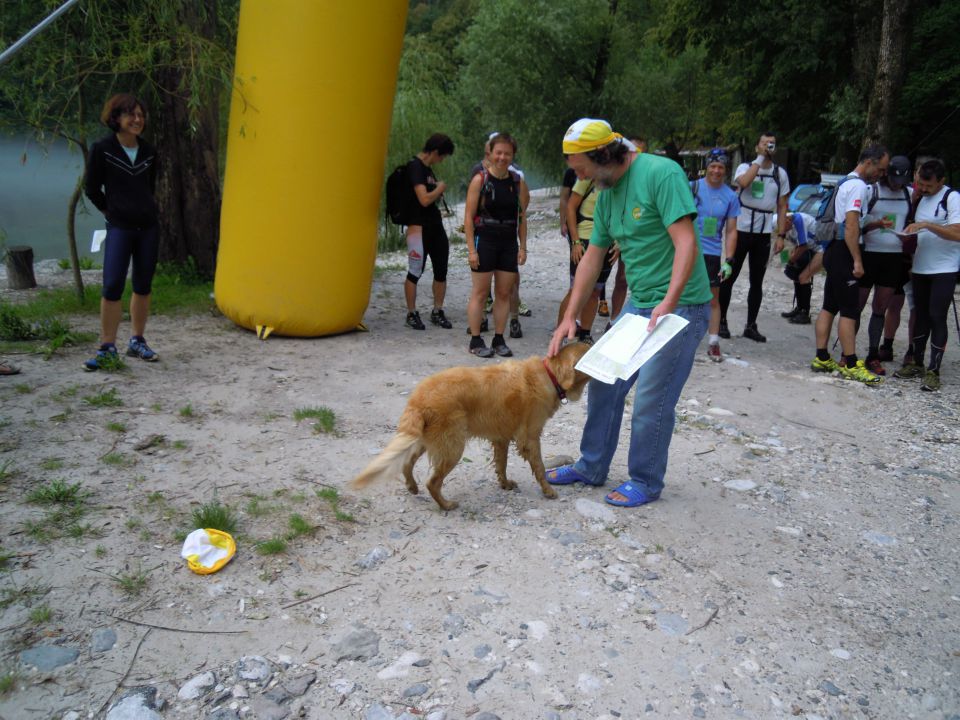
x=588, y=134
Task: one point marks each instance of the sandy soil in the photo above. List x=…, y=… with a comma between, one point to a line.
x=802, y=561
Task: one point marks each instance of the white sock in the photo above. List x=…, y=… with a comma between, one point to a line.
x=714, y=340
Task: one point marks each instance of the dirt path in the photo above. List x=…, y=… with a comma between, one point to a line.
x=802, y=562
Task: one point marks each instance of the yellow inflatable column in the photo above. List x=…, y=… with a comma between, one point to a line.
x=309, y=123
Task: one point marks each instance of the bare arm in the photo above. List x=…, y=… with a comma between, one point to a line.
x=469, y=212
x=946, y=232
x=851, y=236
x=730, y=243
x=576, y=249
x=427, y=198
x=522, y=225
x=587, y=273
x=781, y=222
x=564, y=197
x=684, y=256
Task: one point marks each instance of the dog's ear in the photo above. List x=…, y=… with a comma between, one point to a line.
x=563, y=363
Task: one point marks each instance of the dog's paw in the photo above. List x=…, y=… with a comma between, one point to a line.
x=550, y=493
x=508, y=484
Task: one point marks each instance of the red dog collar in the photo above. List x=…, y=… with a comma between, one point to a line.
x=553, y=378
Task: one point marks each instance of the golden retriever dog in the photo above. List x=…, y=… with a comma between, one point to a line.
x=511, y=401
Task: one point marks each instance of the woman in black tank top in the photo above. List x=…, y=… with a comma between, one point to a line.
x=496, y=234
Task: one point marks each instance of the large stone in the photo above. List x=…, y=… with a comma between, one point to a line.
x=49, y=657
x=103, y=639
x=298, y=685
x=197, y=685
x=265, y=709
x=255, y=669
x=358, y=644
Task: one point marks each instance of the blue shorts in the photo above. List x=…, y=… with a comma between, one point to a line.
x=122, y=245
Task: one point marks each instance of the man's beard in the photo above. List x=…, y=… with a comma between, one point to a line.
x=603, y=178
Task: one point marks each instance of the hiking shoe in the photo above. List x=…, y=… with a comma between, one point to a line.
x=828, y=366
x=909, y=359
x=585, y=337
x=106, y=356
x=488, y=306
x=802, y=318
x=885, y=354
x=724, y=330
x=713, y=352
x=791, y=313
x=137, y=347
x=523, y=310
x=515, y=329
x=908, y=371
x=438, y=318
x=860, y=373
x=481, y=350
x=751, y=332
x=502, y=350
x=931, y=381
x=874, y=366
x=414, y=321
x=484, y=326
x=603, y=310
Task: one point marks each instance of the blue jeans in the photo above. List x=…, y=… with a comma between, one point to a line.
x=659, y=383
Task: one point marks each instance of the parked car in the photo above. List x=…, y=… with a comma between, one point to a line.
x=801, y=193
x=811, y=203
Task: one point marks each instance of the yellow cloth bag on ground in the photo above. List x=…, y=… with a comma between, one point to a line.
x=208, y=550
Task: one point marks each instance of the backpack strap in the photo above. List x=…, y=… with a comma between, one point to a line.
x=943, y=202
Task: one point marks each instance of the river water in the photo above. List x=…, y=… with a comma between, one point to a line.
x=35, y=187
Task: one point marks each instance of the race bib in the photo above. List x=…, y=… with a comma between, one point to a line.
x=709, y=227
x=892, y=219
x=756, y=189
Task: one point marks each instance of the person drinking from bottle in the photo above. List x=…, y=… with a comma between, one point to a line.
x=717, y=211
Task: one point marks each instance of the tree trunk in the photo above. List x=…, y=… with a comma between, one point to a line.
x=888, y=78
x=599, y=78
x=20, y=268
x=188, y=180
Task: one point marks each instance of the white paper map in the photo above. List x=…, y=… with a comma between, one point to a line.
x=626, y=346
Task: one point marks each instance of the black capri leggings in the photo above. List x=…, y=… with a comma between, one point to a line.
x=931, y=298
x=122, y=245
x=756, y=248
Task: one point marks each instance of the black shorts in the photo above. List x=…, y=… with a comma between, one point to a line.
x=883, y=269
x=713, y=269
x=496, y=253
x=605, y=270
x=841, y=292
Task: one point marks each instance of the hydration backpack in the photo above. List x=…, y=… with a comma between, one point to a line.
x=400, y=196
x=827, y=228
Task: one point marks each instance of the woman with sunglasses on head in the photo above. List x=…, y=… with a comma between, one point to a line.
x=120, y=182
x=496, y=232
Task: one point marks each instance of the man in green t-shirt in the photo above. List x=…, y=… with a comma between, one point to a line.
x=646, y=207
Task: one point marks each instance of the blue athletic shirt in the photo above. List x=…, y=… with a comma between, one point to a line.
x=714, y=207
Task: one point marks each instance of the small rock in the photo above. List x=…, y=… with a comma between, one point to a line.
x=840, y=653
x=879, y=538
x=359, y=644
x=255, y=669
x=831, y=689
x=239, y=691
x=400, y=667
x=48, y=657
x=138, y=703
x=453, y=624
x=930, y=702
x=437, y=715
x=671, y=624
x=422, y=662
x=416, y=690
x=373, y=558
x=278, y=695
x=265, y=709
x=719, y=411
x=298, y=685
x=342, y=686
x=588, y=684
x=223, y=713
x=571, y=538
x=481, y=651
x=103, y=639
x=595, y=511
x=378, y=712
x=742, y=485
x=72, y=715
x=197, y=685
x=698, y=712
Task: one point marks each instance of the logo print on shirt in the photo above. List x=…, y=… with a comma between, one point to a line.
x=637, y=212
x=856, y=204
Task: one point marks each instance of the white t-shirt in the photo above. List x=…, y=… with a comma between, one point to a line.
x=758, y=202
x=934, y=254
x=891, y=204
x=853, y=194
x=804, y=230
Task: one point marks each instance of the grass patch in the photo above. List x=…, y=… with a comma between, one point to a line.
x=187, y=411
x=216, y=516
x=5, y=559
x=388, y=269
x=325, y=418
x=23, y=389
x=107, y=398
x=24, y=595
x=117, y=460
x=117, y=427
x=20, y=328
x=7, y=470
x=8, y=682
x=299, y=526
x=179, y=445
x=51, y=464
x=331, y=496
x=132, y=583
x=100, y=551
x=273, y=546
x=257, y=508
x=68, y=393
x=57, y=492
x=85, y=263
x=41, y=614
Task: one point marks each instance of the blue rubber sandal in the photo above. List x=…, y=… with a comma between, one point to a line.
x=635, y=496
x=566, y=475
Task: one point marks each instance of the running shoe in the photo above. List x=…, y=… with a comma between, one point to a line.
x=414, y=321
x=751, y=332
x=825, y=366
x=137, y=347
x=106, y=357
x=800, y=319
x=791, y=313
x=931, y=381
x=908, y=371
x=724, y=330
x=713, y=352
x=481, y=350
x=488, y=306
x=874, y=366
x=438, y=318
x=603, y=310
x=515, y=330
x=860, y=373
x=523, y=310
x=502, y=350
x=484, y=326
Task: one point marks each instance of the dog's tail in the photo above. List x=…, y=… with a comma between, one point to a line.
x=391, y=460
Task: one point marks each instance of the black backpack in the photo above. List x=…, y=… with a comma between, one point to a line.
x=401, y=196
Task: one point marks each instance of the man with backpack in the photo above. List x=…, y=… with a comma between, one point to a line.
x=763, y=191
x=844, y=265
x=426, y=236
x=935, y=266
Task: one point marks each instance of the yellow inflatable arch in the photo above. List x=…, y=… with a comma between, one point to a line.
x=309, y=124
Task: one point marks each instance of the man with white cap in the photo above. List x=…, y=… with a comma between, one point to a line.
x=646, y=207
